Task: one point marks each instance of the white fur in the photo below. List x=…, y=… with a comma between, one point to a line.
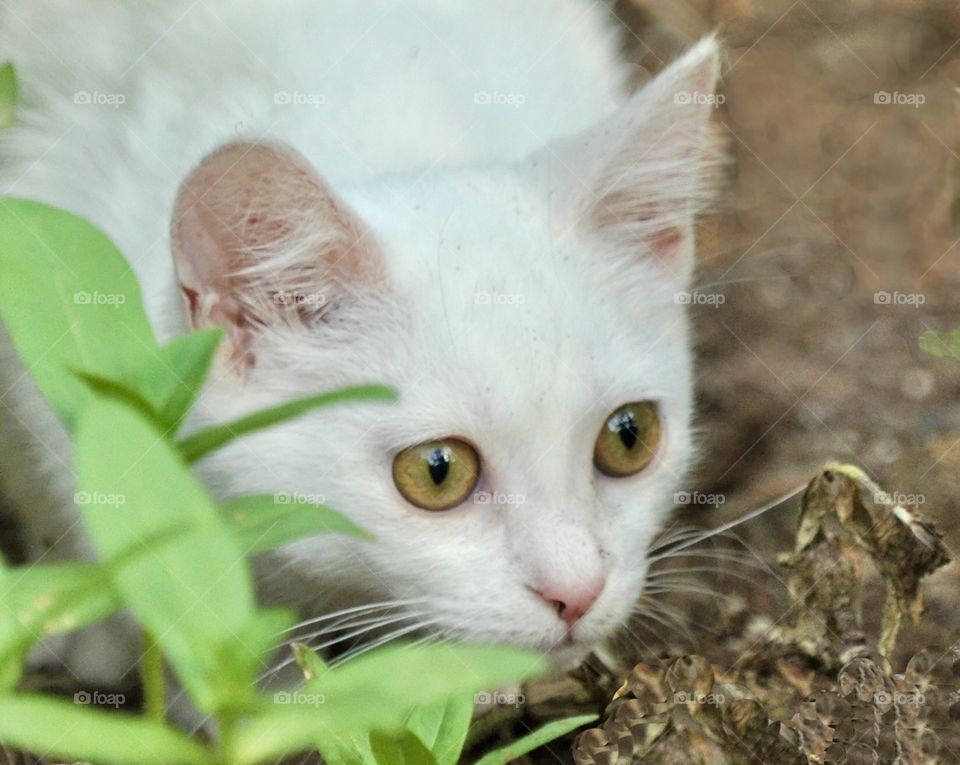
x=464, y=199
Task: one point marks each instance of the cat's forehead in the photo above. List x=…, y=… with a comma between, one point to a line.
x=547, y=347
x=439, y=214
x=514, y=308
x=529, y=376
x=476, y=239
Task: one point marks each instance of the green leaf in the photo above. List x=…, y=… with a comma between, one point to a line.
x=72, y=732
x=276, y=732
x=265, y=521
x=245, y=654
x=190, y=587
x=549, y=732
x=402, y=749
x=941, y=344
x=308, y=660
x=9, y=94
x=107, y=388
x=70, y=302
x=353, y=749
x=377, y=690
x=45, y=600
x=205, y=441
x=294, y=725
x=443, y=727
x=188, y=359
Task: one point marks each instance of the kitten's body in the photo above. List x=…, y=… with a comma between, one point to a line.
x=419, y=115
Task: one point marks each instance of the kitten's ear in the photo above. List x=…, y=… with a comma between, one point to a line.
x=643, y=174
x=259, y=240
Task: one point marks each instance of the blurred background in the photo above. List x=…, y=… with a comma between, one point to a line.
x=836, y=245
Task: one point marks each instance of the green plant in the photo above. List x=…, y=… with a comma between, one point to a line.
x=177, y=561
x=942, y=344
x=9, y=94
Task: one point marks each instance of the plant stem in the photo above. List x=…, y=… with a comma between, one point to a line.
x=152, y=674
x=226, y=727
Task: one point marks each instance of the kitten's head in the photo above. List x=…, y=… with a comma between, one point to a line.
x=528, y=317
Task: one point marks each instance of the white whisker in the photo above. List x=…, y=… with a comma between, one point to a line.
x=370, y=627
x=731, y=556
x=354, y=609
x=745, y=280
x=675, y=535
x=656, y=576
x=710, y=533
x=670, y=621
x=683, y=587
x=389, y=637
x=682, y=619
x=348, y=623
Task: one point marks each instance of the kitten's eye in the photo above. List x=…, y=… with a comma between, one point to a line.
x=628, y=440
x=437, y=475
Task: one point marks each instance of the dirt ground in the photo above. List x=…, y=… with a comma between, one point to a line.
x=837, y=247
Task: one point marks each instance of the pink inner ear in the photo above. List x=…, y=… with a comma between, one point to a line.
x=666, y=242
x=653, y=228
x=661, y=234
x=649, y=165
x=258, y=239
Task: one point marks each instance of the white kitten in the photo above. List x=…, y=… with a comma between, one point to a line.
x=443, y=197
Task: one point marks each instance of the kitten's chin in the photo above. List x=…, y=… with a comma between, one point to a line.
x=571, y=652
x=569, y=655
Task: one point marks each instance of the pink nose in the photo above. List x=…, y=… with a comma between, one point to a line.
x=571, y=603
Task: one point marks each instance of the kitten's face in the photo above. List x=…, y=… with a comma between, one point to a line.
x=532, y=330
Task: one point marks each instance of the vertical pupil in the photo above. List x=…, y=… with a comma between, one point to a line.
x=626, y=426
x=438, y=463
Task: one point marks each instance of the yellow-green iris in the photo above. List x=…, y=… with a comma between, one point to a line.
x=628, y=440
x=437, y=475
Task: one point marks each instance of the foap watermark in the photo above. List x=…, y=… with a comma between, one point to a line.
x=306, y=299
x=96, y=98
x=886, y=98
x=691, y=697
x=99, y=498
x=299, y=698
x=695, y=297
x=296, y=98
x=696, y=98
x=298, y=498
x=887, y=699
x=499, y=298
x=916, y=299
x=496, y=98
x=498, y=698
x=98, y=699
x=898, y=498
x=114, y=299
x=698, y=498
x=498, y=498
